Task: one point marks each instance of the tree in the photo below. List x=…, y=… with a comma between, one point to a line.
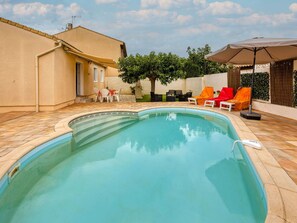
x=196, y=65
x=163, y=67
x=130, y=68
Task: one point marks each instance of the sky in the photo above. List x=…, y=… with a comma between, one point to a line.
x=161, y=25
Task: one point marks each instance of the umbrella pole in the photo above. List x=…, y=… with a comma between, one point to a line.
x=249, y=114
x=252, y=84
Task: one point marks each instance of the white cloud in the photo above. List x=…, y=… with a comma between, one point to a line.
x=68, y=11
x=203, y=28
x=199, y=2
x=256, y=19
x=150, y=15
x=189, y=31
x=144, y=14
x=208, y=27
x=25, y=9
x=224, y=8
x=105, y=1
x=164, y=4
x=293, y=7
x=38, y=8
x=6, y=7
x=182, y=19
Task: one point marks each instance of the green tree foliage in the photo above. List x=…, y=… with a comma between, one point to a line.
x=130, y=68
x=163, y=67
x=196, y=65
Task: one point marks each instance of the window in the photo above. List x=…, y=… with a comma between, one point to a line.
x=101, y=76
x=95, y=74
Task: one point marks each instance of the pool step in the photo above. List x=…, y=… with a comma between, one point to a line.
x=90, y=122
x=99, y=129
x=87, y=127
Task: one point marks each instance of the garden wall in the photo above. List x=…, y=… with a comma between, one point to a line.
x=195, y=84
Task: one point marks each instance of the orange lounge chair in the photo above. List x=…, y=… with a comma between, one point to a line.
x=205, y=94
x=242, y=98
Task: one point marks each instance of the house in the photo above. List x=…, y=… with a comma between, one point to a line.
x=94, y=43
x=42, y=72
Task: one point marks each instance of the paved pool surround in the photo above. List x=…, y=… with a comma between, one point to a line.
x=281, y=191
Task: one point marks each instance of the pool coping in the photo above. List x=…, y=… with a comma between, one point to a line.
x=281, y=191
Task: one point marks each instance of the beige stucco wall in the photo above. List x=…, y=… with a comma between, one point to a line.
x=95, y=44
x=92, y=43
x=100, y=83
x=46, y=79
x=17, y=71
x=64, y=77
x=58, y=79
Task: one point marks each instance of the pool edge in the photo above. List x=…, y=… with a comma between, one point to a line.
x=280, y=190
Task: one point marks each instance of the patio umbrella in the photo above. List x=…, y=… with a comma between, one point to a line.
x=254, y=51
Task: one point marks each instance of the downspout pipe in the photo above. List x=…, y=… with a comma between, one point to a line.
x=37, y=73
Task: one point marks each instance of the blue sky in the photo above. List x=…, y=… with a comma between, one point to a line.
x=161, y=25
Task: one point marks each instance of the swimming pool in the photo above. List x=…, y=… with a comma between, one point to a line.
x=160, y=165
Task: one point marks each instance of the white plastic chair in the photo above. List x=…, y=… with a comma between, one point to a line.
x=116, y=95
x=104, y=94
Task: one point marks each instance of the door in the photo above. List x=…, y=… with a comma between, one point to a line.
x=79, y=79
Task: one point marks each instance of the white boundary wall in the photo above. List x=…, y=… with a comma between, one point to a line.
x=217, y=81
x=288, y=112
x=179, y=84
x=195, y=84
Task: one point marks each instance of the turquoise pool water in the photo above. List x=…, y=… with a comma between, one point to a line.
x=159, y=167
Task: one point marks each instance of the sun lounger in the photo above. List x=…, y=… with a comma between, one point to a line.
x=242, y=98
x=200, y=99
x=225, y=95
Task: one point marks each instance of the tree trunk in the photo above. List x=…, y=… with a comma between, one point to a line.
x=153, y=84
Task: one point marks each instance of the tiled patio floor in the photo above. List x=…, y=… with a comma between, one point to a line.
x=278, y=134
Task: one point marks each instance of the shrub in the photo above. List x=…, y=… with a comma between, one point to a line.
x=261, y=84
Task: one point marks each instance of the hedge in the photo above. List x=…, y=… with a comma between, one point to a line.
x=261, y=84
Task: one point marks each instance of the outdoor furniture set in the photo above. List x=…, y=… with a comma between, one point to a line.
x=108, y=94
x=225, y=99
x=172, y=95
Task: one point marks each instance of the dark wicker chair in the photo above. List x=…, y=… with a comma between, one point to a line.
x=156, y=97
x=178, y=93
x=170, y=95
x=184, y=97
